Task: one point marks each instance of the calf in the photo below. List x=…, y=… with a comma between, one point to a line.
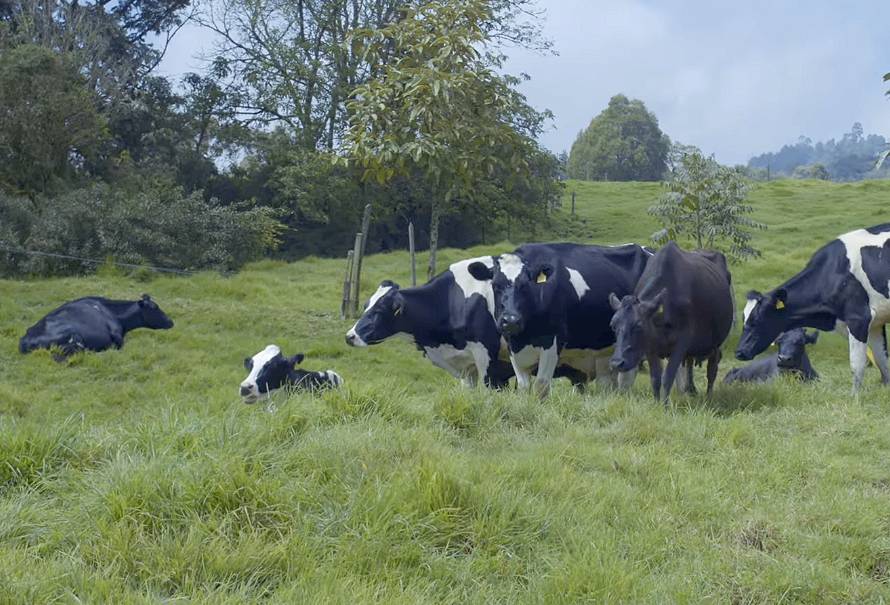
x=791, y=358
x=93, y=324
x=681, y=310
x=270, y=370
x=847, y=280
x=552, y=306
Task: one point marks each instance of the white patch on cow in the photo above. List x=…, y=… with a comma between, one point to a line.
x=334, y=378
x=511, y=266
x=546, y=366
x=523, y=361
x=469, y=285
x=259, y=360
x=854, y=242
x=749, y=308
x=858, y=361
x=460, y=363
x=355, y=339
x=578, y=282
x=585, y=360
x=380, y=293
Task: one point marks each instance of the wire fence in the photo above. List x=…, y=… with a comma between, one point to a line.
x=94, y=261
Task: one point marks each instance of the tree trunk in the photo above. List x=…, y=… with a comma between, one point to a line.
x=434, y=240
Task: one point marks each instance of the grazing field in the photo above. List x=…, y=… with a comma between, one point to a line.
x=137, y=476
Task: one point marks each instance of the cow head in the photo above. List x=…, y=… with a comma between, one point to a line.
x=633, y=321
x=792, y=345
x=381, y=318
x=152, y=315
x=269, y=370
x=522, y=289
x=765, y=318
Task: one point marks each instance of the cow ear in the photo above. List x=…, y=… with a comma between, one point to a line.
x=812, y=337
x=480, y=271
x=248, y=363
x=388, y=283
x=614, y=301
x=780, y=297
x=296, y=359
x=398, y=304
x=543, y=274
x=753, y=295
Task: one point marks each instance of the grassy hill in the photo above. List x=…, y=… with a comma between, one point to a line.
x=138, y=476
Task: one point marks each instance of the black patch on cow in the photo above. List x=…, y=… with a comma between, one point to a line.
x=878, y=229
x=876, y=264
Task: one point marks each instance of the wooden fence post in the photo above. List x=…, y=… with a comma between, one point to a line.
x=411, y=252
x=356, y=269
x=573, y=203
x=359, y=256
x=347, y=283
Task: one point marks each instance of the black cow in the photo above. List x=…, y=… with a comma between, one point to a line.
x=847, y=280
x=270, y=370
x=552, y=306
x=450, y=319
x=93, y=324
x=682, y=310
x=791, y=358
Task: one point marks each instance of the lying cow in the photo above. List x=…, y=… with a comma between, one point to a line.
x=450, y=319
x=791, y=359
x=552, y=306
x=846, y=280
x=270, y=370
x=681, y=310
x=93, y=324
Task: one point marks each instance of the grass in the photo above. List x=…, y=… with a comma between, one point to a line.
x=137, y=476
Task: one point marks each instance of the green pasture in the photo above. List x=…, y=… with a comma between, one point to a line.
x=137, y=476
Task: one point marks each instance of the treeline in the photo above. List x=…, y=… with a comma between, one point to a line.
x=100, y=157
x=851, y=158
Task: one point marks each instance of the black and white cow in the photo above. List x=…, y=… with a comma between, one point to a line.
x=93, y=324
x=450, y=319
x=790, y=359
x=847, y=280
x=552, y=306
x=271, y=370
x=681, y=309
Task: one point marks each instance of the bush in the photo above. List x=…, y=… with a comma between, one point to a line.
x=152, y=224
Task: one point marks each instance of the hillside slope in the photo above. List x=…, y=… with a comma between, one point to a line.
x=138, y=476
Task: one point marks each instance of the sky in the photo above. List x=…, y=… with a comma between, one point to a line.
x=736, y=79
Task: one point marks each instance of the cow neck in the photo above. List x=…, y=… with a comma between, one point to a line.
x=127, y=312
x=806, y=303
x=425, y=308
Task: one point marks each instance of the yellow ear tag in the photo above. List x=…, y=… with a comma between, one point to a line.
x=542, y=277
x=780, y=305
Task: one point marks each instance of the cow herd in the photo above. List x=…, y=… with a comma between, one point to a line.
x=582, y=312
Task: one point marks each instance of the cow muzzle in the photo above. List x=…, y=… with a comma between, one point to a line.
x=511, y=323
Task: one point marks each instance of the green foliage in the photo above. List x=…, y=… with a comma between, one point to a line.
x=153, y=223
x=49, y=121
x=623, y=143
x=137, y=476
x=812, y=171
x=705, y=203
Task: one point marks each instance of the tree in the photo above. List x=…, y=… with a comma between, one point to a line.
x=705, y=202
x=49, y=121
x=438, y=110
x=623, y=143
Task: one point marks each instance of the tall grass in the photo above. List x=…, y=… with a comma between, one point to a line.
x=137, y=476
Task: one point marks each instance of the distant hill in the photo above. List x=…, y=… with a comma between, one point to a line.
x=851, y=158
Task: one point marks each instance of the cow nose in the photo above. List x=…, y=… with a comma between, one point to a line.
x=245, y=391
x=350, y=338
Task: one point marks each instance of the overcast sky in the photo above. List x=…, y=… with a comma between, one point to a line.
x=734, y=78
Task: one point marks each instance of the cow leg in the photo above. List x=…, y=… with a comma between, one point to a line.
x=523, y=376
x=670, y=372
x=713, y=363
x=879, y=347
x=685, y=382
x=546, y=366
x=858, y=361
x=655, y=375
x=626, y=379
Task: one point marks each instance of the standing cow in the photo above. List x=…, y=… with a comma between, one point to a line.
x=681, y=310
x=450, y=319
x=847, y=280
x=552, y=306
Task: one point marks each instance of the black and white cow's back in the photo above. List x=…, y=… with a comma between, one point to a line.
x=847, y=280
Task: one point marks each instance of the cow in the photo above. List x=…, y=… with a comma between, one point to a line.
x=93, y=324
x=681, y=309
x=846, y=281
x=450, y=319
x=270, y=370
x=790, y=359
x=552, y=307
